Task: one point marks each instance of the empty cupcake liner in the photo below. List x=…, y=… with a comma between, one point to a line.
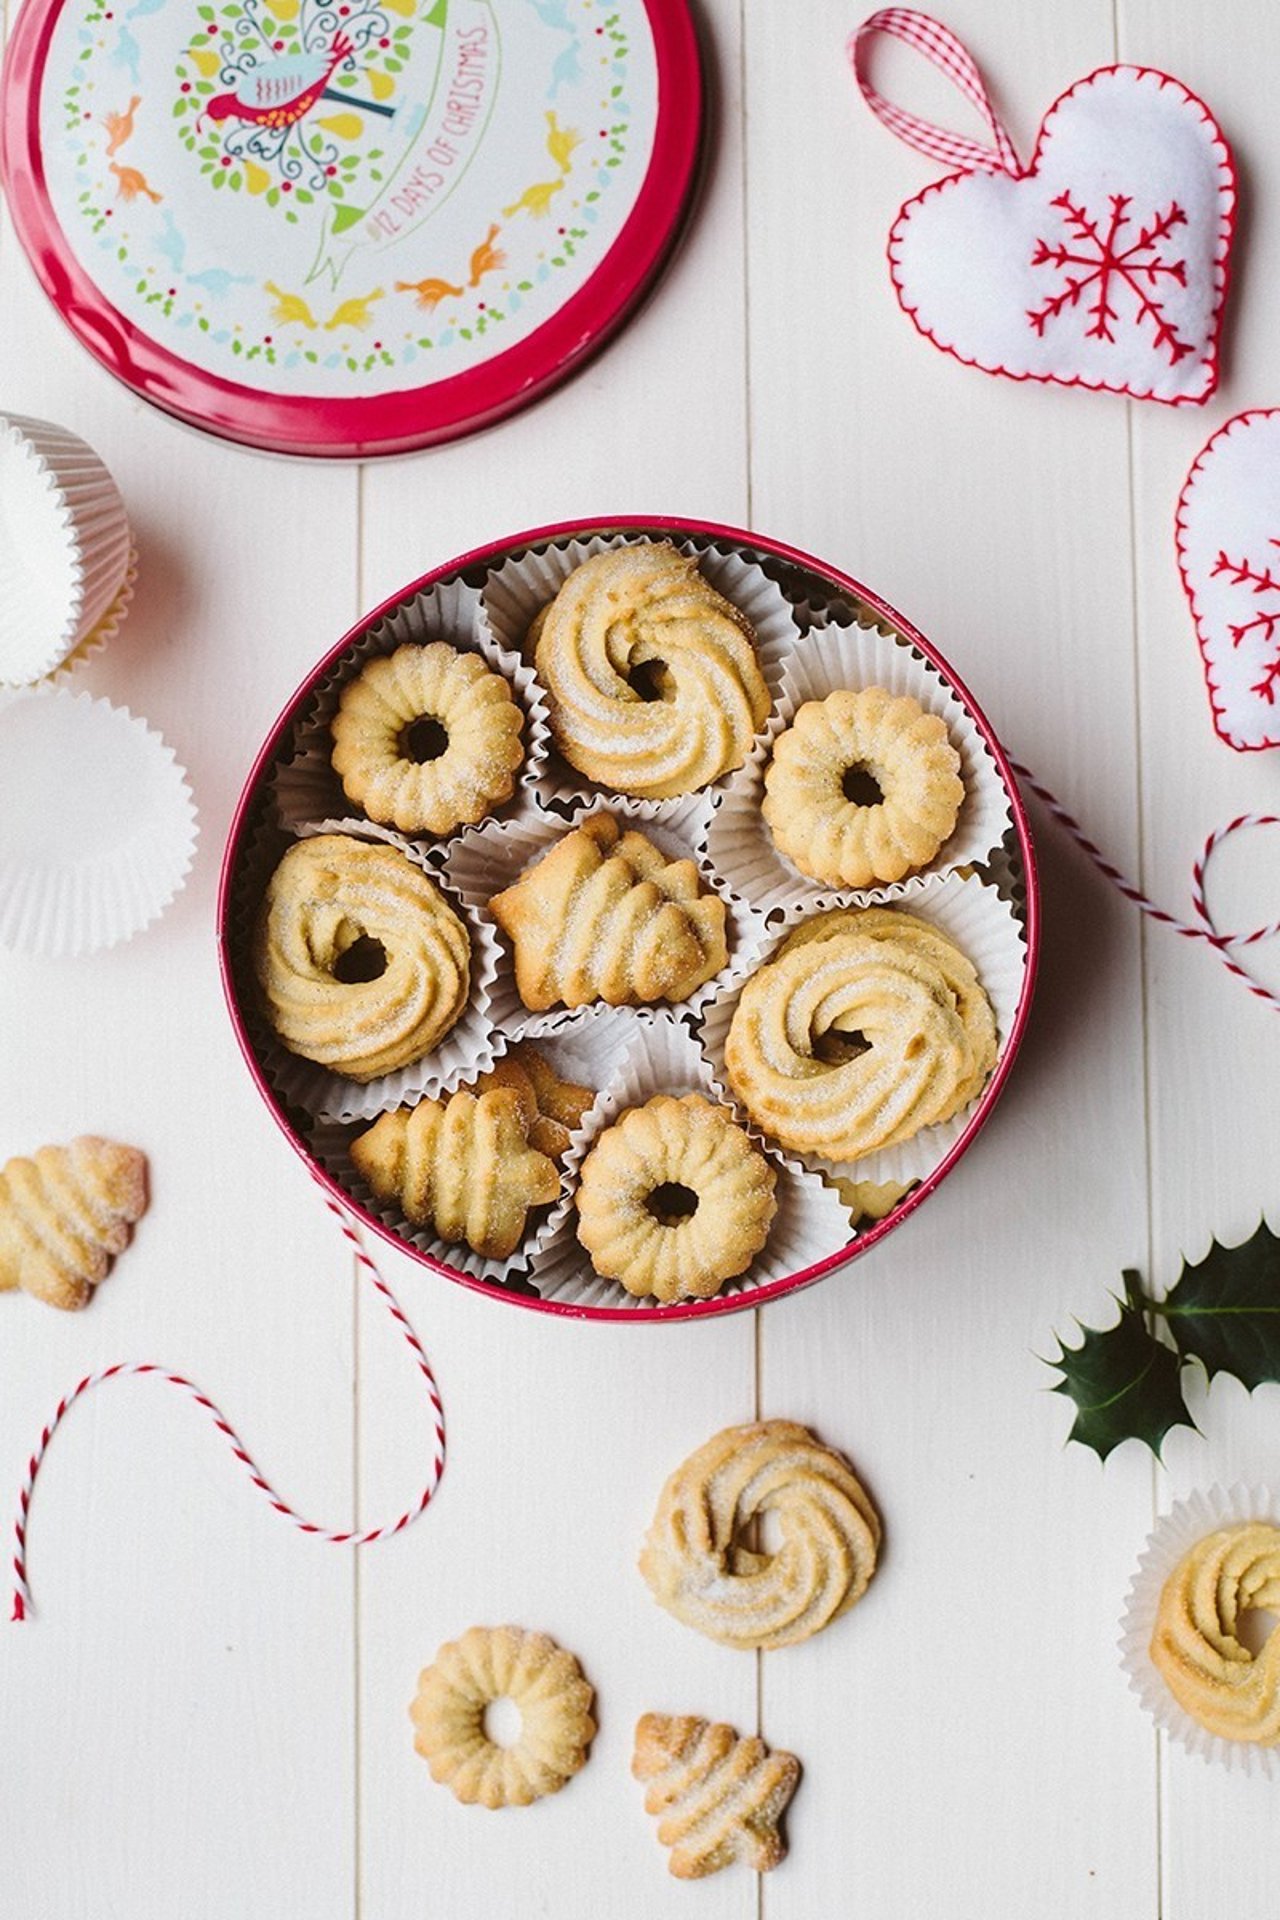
x=518, y=590
x=588, y=1053
x=485, y=860
x=810, y=1224
x=98, y=829
x=1173, y=1535
x=65, y=548
x=739, y=844
x=989, y=933
x=305, y=787
x=467, y=1049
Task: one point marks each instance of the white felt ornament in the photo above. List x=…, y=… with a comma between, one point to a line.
x=1102, y=264
x=1228, y=532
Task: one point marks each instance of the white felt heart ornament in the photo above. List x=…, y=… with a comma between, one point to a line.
x=1102, y=264
x=1228, y=534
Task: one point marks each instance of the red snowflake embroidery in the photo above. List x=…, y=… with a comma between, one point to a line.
x=1262, y=580
x=1104, y=264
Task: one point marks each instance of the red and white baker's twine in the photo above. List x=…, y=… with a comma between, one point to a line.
x=348, y=1538
x=1221, y=943
x=941, y=48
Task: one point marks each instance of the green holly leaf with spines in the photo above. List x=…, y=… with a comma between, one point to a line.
x=1124, y=1382
x=1224, y=1310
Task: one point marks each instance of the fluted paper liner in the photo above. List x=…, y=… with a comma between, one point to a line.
x=1173, y=1535
x=485, y=860
x=809, y=1225
x=987, y=931
x=98, y=827
x=739, y=844
x=65, y=548
x=305, y=787
x=467, y=1049
x=588, y=1053
x=518, y=590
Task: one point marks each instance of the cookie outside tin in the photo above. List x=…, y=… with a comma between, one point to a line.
x=809, y=584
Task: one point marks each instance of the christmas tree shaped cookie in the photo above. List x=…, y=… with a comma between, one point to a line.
x=718, y=1796
x=65, y=1214
x=604, y=915
x=462, y=1166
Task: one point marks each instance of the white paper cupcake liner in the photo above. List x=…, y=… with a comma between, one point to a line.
x=305, y=787
x=1174, y=1534
x=467, y=1049
x=518, y=590
x=810, y=1223
x=98, y=827
x=485, y=860
x=65, y=547
x=107, y=628
x=588, y=1054
x=989, y=933
x=739, y=844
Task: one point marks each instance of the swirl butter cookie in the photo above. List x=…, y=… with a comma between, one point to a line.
x=698, y=1569
x=1195, y=1646
x=863, y=1028
x=362, y=963
x=652, y=677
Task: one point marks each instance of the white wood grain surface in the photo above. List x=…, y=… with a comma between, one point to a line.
x=209, y=1716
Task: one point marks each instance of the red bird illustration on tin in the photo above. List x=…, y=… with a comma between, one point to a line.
x=282, y=91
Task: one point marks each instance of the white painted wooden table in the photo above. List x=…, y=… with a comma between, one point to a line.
x=208, y=1717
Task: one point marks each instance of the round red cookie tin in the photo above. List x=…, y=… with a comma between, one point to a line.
x=805, y=583
x=348, y=227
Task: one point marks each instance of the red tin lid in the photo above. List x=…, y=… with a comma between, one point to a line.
x=347, y=227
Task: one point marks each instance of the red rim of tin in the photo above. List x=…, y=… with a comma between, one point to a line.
x=388, y=423
x=790, y=556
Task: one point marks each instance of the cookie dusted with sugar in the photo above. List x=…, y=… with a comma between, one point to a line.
x=652, y=677
x=696, y=1566
x=427, y=738
x=864, y=1027
x=673, y=1199
x=64, y=1216
x=363, y=965
x=719, y=1796
x=813, y=801
x=554, y=1109
x=546, y=1685
x=1195, y=1645
x=604, y=915
x=463, y=1167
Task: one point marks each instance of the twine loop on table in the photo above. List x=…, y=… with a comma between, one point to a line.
x=1206, y=930
x=941, y=49
x=348, y=1537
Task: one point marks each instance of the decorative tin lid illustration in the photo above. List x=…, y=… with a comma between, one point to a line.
x=347, y=226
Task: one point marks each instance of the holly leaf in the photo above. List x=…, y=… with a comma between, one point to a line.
x=1124, y=1382
x=1225, y=1310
